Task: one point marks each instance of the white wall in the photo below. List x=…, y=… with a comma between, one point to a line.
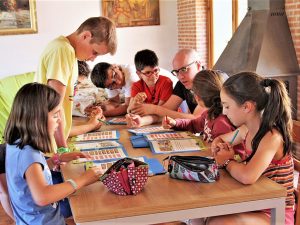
x=20, y=53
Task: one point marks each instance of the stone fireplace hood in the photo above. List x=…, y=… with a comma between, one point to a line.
x=262, y=43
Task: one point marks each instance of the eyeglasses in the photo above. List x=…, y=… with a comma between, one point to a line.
x=149, y=73
x=113, y=84
x=182, y=69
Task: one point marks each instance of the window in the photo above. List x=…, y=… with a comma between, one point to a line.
x=224, y=16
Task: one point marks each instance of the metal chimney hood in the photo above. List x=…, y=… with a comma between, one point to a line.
x=262, y=43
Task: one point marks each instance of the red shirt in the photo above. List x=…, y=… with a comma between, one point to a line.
x=161, y=91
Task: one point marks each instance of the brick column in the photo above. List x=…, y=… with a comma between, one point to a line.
x=192, y=27
x=292, y=8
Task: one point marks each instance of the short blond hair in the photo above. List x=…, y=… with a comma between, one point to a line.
x=103, y=30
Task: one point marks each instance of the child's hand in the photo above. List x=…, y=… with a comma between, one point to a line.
x=215, y=145
x=133, y=121
x=69, y=156
x=140, y=97
x=168, y=122
x=224, y=154
x=91, y=175
x=95, y=119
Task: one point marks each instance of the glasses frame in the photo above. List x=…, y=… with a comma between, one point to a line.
x=183, y=69
x=150, y=73
x=113, y=78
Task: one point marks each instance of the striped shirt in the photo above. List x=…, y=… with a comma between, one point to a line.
x=282, y=172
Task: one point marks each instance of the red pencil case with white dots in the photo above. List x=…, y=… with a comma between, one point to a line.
x=127, y=176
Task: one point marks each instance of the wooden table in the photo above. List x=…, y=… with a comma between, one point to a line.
x=165, y=199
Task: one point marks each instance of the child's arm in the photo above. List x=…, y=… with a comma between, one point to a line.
x=44, y=194
x=270, y=147
x=94, y=123
x=60, y=139
x=4, y=197
x=168, y=122
x=168, y=109
x=138, y=121
x=117, y=110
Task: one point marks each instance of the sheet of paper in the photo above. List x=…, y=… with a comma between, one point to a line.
x=173, y=146
x=103, y=154
x=100, y=135
x=83, y=146
x=174, y=135
x=148, y=130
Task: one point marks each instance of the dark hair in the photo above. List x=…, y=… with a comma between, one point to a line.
x=102, y=30
x=207, y=85
x=145, y=58
x=271, y=98
x=28, y=119
x=99, y=74
x=83, y=69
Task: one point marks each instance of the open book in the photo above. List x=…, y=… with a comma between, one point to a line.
x=174, y=142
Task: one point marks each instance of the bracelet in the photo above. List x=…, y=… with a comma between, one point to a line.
x=73, y=183
x=56, y=162
x=226, y=163
x=62, y=150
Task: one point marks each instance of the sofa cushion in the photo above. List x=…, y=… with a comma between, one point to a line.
x=9, y=86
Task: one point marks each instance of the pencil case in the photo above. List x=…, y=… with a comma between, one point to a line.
x=126, y=176
x=193, y=168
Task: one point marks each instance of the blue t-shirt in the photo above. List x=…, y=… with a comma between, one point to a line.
x=26, y=211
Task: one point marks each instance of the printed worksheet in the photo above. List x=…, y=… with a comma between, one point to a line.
x=173, y=135
x=96, y=136
x=118, y=121
x=108, y=154
x=84, y=146
x=176, y=145
x=149, y=130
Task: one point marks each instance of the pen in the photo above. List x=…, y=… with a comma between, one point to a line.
x=234, y=136
x=103, y=121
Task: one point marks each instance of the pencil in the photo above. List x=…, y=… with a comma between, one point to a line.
x=103, y=121
x=234, y=136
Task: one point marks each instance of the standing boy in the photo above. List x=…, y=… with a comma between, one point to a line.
x=58, y=64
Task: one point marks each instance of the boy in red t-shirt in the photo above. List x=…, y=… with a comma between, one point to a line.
x=151, y=88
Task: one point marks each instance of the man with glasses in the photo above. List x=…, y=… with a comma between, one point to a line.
x=117, y=81
x=186, y=65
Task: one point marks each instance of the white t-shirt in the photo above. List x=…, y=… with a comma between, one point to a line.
x=130, y=77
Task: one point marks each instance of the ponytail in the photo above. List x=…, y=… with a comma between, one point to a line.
x=271, y=99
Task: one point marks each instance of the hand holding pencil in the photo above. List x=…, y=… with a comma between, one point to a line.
x=223, y=151
x=168, y=122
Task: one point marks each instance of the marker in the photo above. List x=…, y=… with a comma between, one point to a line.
x=234, y=136
x=103, y=121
